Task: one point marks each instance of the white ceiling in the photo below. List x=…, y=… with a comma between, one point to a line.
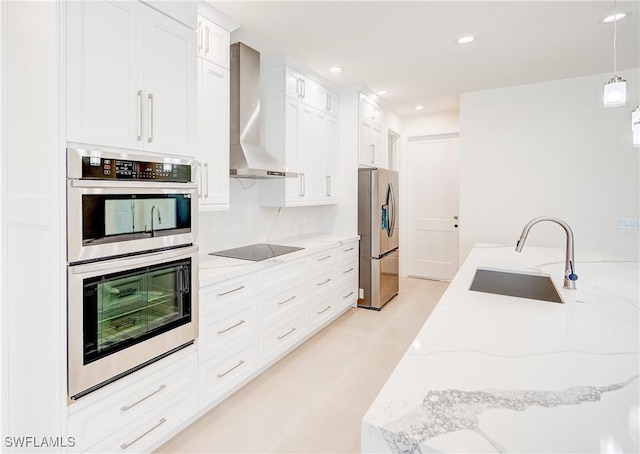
x=410, y=49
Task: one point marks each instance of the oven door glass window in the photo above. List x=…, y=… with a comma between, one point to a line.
x=116, y=217
x=125, y=308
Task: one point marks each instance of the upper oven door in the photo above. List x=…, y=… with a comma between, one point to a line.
x=107, y=219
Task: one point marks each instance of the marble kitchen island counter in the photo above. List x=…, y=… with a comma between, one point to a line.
x=493, y=373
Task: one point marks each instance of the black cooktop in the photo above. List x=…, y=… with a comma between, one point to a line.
x=256, y=252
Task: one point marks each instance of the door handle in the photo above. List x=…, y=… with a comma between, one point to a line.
x=200, y=35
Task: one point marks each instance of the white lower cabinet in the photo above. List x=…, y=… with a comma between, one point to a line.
x=134, y=402
x=228, y=370
x=246, y=324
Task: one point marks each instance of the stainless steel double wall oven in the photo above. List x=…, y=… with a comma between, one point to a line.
x=132, y=263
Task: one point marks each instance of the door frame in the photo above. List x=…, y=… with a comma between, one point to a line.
x=405, y=163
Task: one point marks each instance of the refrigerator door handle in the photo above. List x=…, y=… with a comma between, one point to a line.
x=392, y=224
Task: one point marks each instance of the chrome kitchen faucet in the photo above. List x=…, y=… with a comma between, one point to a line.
x=570, y=277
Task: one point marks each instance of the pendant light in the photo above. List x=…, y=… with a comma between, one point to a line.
x=615, y=90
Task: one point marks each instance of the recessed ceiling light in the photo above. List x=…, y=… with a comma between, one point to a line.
x=382, y=92
x=335, y=69
x=466, y=39
x=614, y=18
x=418, y=108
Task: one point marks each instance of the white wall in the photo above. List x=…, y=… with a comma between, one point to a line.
x=247, y=222
x=549, y=149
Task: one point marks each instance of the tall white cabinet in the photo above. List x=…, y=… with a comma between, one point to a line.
x=299, y=121
x=131, y=78
x=213, y=109
x=371, y=145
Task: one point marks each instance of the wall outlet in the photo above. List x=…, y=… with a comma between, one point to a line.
x=361, y=293
x=628, y=224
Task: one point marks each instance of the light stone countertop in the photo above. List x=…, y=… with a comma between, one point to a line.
x=215, y=269
x=493, y=373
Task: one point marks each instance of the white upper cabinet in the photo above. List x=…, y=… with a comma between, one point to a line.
x=371, y=145
x=213, y=110
x=213, y=42
x=213, y=135
x=300, y=128
x=131, y=78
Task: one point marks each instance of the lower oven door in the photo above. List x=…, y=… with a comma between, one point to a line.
x=125, y=313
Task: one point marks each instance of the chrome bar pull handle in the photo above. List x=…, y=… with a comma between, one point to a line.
x=301, y=177
x=373, y=152
x=128, y=445
x=206, y=40
x=222, y=331
x=200, y=35
x=347, y=250
x=347, y=296
x=322, y=259
x=231, y=291
x=139, y=115
x=206, y=180
x=150, y=139
x=304, y=89
x=328, y=184
x=324, y=310
x=286, y=334
x=326, y=281
x=287, y=300
x=232, y=369
x=128, y=407
x=348, y=271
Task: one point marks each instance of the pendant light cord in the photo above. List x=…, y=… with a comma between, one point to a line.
x=615, y=33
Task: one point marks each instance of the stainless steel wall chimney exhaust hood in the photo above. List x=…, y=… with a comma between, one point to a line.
x=247, y=159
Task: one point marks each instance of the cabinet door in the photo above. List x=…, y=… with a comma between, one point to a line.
x=104, y=73
x=366, y=154
x=293, y=83
x=378, y=145
x=170, y=86
x=331, y=159
x=325, y=135
x=299, y=149
x=213, y=134
x=213, y=42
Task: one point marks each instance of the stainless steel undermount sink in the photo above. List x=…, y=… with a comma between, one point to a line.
x=516, y=283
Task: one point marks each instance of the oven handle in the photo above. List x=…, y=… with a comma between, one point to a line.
x=77, y=183
x=124, y=263
x=186, y=280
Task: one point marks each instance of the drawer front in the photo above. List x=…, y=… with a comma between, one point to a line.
x=278, y=275
x=347, y=295
x=105, y=411
x=223, y=294
x=227, y=370
x=222, y=329
x=282, y=336
x=322, y=282
x=323, y=259
x=152, y=428
x=278, y=303
x=322, y=310
x=347, y=271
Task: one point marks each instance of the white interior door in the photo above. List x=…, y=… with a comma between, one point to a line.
x=433, y=207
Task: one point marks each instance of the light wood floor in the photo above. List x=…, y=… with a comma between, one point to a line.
x=314, y=399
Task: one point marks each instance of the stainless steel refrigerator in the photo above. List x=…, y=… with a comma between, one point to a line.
x=379, y=232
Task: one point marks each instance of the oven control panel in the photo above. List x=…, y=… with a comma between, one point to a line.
x=94, y=167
